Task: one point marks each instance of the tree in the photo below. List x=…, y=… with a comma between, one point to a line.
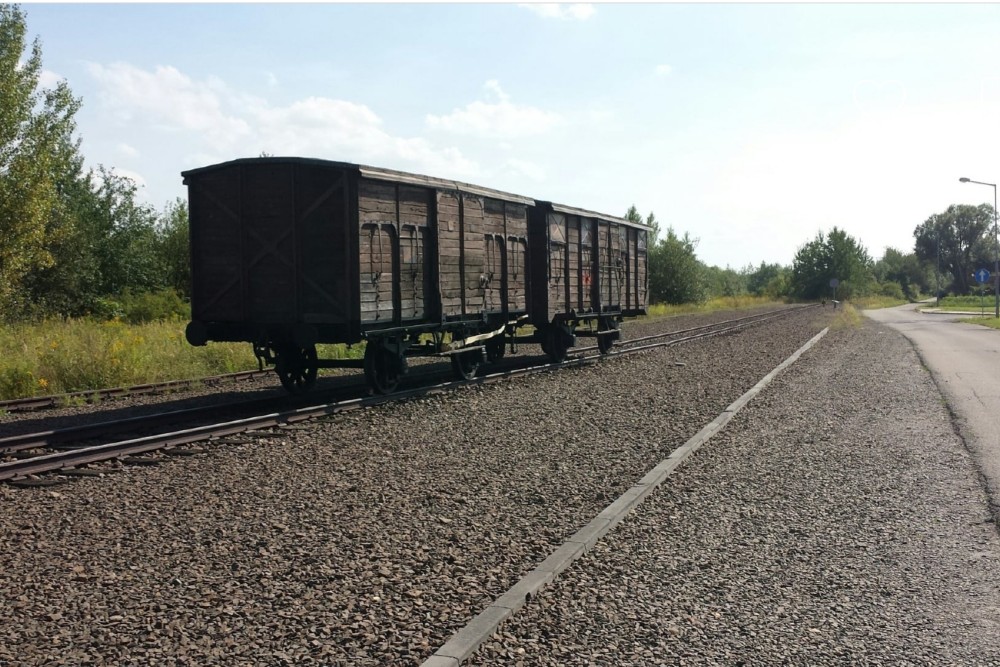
x=907, y=271
x=759, y=278
x=723, y=282
x=38, y=156
x=675, y=274
x=122, y=234
x=836, y=255
x=173, y=247
x=961, y=235
x=632, y=215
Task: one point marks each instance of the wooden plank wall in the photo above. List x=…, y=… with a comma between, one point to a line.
x=270, y=260
x=557, y=264
x=573, y=262
x=216, y=247
x=482, y=248
x=494, y=257
x=584, y=279
x=323, y=230
x=641, y=268
x=614, y=261
x=516, y=218
x=474, y=253
x=393, y=244
x=449, y=252
x=415, y=261
x=603, y=262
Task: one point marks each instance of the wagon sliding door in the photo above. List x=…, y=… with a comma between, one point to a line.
x=393, y=259
x=558, y=288
x=635, y=296
x=462, y=256
x=516, y=217
x=613, y=258
x=378, y=272
x=414, y=240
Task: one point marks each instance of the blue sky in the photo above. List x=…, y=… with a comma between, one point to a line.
x=749, y=126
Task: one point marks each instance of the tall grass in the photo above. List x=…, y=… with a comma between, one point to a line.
x=877, y=301
x=846, y=317
x=58, y=356
x=710, y=306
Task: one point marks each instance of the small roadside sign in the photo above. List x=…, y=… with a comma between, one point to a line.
x=982, y=276
x=834, y=282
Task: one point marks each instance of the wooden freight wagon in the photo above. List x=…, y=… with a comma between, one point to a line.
x=288, y=253
x=591, y=274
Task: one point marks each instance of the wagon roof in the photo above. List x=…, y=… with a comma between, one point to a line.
x=584, y=213
x=376, y=173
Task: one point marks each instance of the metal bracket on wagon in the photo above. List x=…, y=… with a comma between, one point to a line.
x=472, y=340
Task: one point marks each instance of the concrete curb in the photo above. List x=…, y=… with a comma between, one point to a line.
x=465, y=642
x=967, y=313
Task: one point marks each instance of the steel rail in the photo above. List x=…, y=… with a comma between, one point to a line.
x=53, y=400
x=85, y=455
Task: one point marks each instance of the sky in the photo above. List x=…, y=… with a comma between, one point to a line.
x=750, y=127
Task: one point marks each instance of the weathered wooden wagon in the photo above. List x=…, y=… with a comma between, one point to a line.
x=589, y=275
x=288, y=253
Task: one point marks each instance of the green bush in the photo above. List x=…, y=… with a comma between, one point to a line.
x=892, y=290
x=145, y=307
x=17, y=381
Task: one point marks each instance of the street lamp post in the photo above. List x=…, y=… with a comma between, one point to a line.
x=996, y=247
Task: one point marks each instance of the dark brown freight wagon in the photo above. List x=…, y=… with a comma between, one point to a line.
x=288, y=253
x=595, y=267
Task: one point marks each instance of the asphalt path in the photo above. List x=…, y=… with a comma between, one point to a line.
x=964, y=360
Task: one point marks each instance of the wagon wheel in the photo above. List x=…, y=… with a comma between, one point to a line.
x=465, y=365
x=607, y=341
x=382, y=368
x=555, y=345
x=296, y=367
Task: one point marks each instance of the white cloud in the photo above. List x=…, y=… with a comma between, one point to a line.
x=564, y=12
x=495, y=117
x=227, y=124
x=127, y=150
x=170, y=99
x=663, y=70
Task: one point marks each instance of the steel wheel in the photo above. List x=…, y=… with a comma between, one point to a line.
x=607, y=341
x=382, y=368
x=296, y=368
x=465, y=365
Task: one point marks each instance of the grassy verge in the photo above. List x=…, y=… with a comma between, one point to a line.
x=710, y=306
x=991, y=322
x=59, y=356
x=846, y=317
x=873, y=302
x=972, y=304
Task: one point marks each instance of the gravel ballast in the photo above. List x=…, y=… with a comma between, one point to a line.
x=837, y=520
x=370, y=538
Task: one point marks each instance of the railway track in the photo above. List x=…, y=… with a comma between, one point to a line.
x=33, y=403
x=68, y=450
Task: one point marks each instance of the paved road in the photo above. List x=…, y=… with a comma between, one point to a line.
x=965, y=362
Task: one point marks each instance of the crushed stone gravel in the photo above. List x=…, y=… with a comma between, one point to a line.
x=364, y=539
x=837, y=520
